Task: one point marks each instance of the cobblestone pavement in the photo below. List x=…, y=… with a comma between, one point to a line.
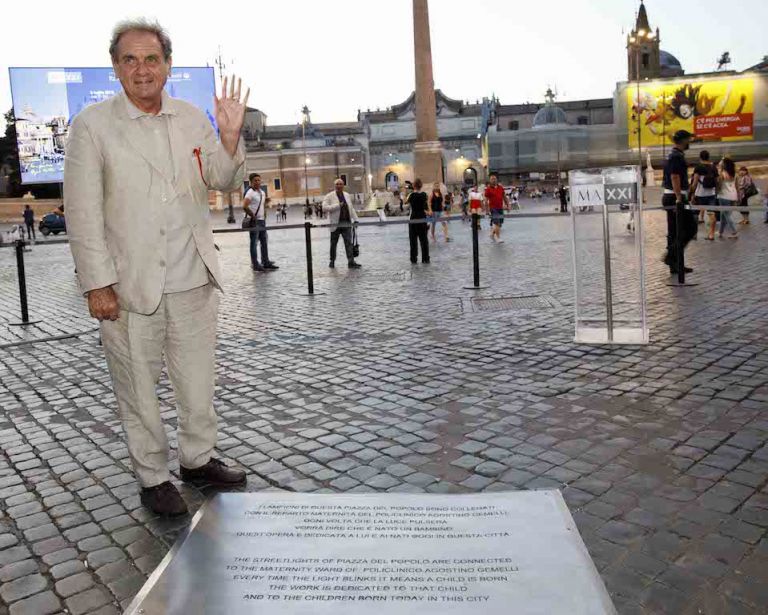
x=389, y=382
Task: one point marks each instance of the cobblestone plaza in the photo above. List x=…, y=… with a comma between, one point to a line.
x=395, y=380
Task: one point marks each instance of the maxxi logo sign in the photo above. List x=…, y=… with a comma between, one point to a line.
x=592, y=195
x=620, y=194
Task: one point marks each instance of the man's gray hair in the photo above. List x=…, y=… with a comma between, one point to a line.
x=142, y=24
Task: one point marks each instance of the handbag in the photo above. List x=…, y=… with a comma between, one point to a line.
x=750, y=191
x=250, y=221
x=355, y=245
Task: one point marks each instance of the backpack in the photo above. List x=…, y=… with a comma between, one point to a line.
x=710, y=177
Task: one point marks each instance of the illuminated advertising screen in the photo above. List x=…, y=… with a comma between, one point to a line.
x=712, y=110
x=45, y=100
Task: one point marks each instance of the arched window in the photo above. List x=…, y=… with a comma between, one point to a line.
x=470, y=176
x=392, y=181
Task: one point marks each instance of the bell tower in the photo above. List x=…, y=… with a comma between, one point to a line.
x=643, y=49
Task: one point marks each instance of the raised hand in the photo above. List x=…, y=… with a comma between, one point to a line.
x=230, y=113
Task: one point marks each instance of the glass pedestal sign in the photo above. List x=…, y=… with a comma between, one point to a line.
x=608, y=266
x=278, y=553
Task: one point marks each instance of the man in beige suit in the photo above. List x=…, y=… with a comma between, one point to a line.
x=343, y=217
x=137, y=173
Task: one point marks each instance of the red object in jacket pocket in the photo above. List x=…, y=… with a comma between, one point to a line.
x=198, y=152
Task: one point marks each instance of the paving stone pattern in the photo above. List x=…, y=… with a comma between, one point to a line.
x=385, y=383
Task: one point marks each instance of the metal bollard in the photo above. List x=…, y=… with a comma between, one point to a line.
x=475, y=256
x=608, y=273
x=22, y=286
x=22, y=281
x=679, y=244
x=475, y=251
x=308, y=246
x=679, y=255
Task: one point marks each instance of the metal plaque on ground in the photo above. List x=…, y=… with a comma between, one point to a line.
x=383, y=554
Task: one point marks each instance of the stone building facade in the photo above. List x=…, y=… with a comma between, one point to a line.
x=374, y=153
x=461, y=129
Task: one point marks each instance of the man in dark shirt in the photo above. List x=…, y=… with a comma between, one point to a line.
x=29, y=221
x=417, y=230
x=675, y=198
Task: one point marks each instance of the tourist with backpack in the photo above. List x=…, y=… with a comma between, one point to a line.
x=703, y=190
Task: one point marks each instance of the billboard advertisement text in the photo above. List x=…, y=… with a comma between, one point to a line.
x=712, y=110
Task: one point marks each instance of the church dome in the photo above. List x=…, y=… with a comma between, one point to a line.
x=670, y=65
x=548, y=115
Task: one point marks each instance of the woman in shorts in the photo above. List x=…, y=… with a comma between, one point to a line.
x=476, y=202
x=437, y=205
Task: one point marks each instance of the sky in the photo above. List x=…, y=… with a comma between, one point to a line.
x=338, y=56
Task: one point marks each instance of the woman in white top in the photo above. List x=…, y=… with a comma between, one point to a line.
x=475, y=196
x=727, y=196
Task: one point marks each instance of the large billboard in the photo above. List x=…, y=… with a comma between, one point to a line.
x=712, y=110
x=46, y=99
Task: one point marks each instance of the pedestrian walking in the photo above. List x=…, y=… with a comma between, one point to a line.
x=727, y=196
x=675, y=195
x=436, y=206
x=138, y=170
x=496, y=199
x=255, y=205
x=464, y=195
x=417, y=227
x=29, y=222
x=562, y=193
x=703, y=190
x=338, y=205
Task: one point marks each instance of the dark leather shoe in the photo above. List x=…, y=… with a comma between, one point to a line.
x=271, y=266
x=354, y=265
x=213, y=473
x=164, y=499
x=331, y=264
x=257, y=267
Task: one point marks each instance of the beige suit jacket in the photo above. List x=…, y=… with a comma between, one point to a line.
x=332, y=206
x=114, y=198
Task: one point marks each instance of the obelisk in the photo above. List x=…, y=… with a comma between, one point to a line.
x=428, y=163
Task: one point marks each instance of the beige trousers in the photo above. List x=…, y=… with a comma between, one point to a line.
x=184, y=329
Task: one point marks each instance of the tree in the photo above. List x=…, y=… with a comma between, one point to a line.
x=9, y=155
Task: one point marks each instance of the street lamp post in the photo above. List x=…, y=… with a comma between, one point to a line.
x=305, y=112
x=664, y=125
